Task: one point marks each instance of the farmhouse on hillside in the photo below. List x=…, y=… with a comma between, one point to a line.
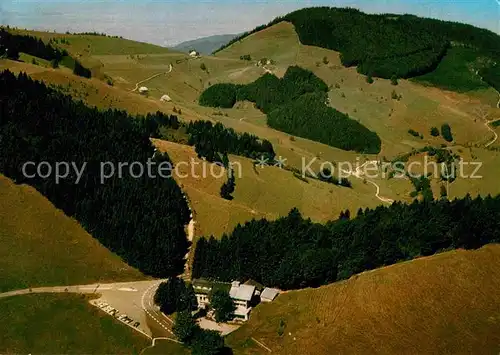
x=143, y=90
x=243, y=295
x=269, y=294
x=165, y=98
x=194, y=53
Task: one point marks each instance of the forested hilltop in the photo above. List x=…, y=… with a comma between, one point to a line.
x=12, y=45
x=141, y=219
x=297, y=104
x=390, y=45
x=293, y=252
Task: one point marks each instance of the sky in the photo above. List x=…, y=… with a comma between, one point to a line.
x=169, y=22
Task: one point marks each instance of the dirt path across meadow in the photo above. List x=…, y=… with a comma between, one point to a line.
x=151, y=78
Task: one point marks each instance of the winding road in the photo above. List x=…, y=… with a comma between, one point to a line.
x=359, y=174
x=148, y=305
x=487, y=124
x=152, y=77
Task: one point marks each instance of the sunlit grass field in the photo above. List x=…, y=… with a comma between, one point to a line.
x=443, y=304
x=63, y=324
x=41, y=246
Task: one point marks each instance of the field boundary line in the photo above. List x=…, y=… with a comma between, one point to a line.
x=262, y=345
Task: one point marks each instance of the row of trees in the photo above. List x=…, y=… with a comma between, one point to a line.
x=492, y=75
x=80, y=70
x=12, y=44
x=293, y=252
x=214, y=142
x=296, y=104
x=326, y=175
x=139, y=217
x=152, y=123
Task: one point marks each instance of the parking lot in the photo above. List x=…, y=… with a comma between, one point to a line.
x=131, y=304
x=115, y=313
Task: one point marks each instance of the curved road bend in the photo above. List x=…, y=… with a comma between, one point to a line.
x=358, y=174
x=148, y=305
x=487, y=124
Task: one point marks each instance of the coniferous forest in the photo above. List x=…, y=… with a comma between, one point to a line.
x=296, y=104
x=293, y=252
x=214, y=142
x=11, y=45
x=386, y=45
x=139, y=218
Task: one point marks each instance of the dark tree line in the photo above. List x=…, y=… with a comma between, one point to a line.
x=139, y=218
x=214, y=142
x=152, y=123
x=384, y=45
x=13, y=44
x=219, y=95
x=326, y=175
x=296, y=104
x=309, y=117
x=293, y=252
x=80, y=70
x=94, y=34
x=492, y=75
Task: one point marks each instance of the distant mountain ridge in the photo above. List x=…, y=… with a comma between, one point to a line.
x=205, y=45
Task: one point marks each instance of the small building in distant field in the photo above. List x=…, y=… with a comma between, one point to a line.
x=194, y=53
x=143, y=90
x=165, y=98
x=269, y=294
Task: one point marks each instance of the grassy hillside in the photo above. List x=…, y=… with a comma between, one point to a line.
x=85, y=45
x=420, y=108
x=41, y=246
x=63, y=324
x=269, y=192
x=164, y=347
x=93, y=92
x=388, y=45
x=296, y=104
x=430, y=305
